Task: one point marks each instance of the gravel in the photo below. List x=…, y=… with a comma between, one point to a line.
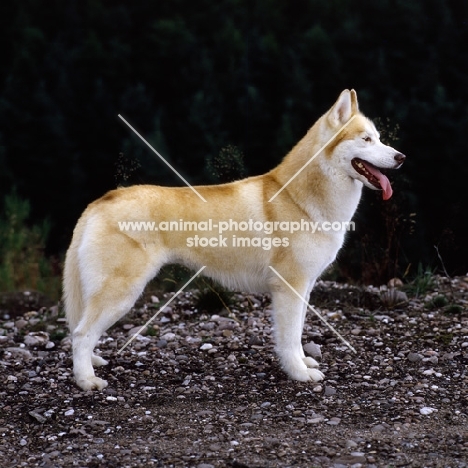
x=205, y=389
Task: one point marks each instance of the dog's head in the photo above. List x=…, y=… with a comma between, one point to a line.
x=356, y=148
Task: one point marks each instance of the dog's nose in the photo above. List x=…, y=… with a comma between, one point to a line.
x=399, y=158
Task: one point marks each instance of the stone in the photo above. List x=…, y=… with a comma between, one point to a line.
x=334, y=421
x=255, y=341
x=21, y=323
x=414, y=357
x=169, y=337
x=19, y=353
x=136, y=330
x=313, y=350
x=38, y=417
x=378, y=428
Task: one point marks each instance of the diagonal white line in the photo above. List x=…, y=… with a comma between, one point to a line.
x=162, y=159
x=314, y=310
x=160, y=310
x=311, y=159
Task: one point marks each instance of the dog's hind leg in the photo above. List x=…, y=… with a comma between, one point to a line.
x=102, y=310
x=288, y=313
x=111, y=284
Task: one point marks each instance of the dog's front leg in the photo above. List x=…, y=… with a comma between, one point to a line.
x=288, y=312
x=309, y=361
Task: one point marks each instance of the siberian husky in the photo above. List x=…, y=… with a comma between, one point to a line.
x=320, y=181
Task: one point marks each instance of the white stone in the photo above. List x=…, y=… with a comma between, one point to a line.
x=168, y=336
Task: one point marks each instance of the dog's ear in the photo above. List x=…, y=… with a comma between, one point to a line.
x=342, y=110
x=354, y=102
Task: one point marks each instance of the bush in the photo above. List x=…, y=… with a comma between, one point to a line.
x=23, y=264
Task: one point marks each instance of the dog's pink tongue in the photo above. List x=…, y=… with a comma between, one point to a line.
x=387, y=190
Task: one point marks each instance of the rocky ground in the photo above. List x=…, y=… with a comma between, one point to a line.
x=205, y=390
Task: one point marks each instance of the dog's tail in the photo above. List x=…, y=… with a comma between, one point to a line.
x=72, y=288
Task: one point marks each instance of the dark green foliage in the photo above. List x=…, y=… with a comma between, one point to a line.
x=453, y=309
x=445, y=338
x=23, y=265
x=194, y=77
x=438, y=302
x=228, y=165
x=212, y=298
x=125, y=166
x=171, y=278
x=388, y=131
x=421, y=283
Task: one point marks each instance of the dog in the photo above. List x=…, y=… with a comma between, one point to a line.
x=320, y=181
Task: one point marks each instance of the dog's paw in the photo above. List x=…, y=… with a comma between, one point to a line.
x=305, y=374
x=315, y=375
x=310, y=362
x=91, y=383
x=98, y=361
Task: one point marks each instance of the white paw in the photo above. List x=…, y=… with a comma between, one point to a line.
x=91, y=383
x=98, y=361
x=315, y=375
x=304, y=374
x=310, y=362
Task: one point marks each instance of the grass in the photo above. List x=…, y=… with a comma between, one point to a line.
x=445, y=338
x=213, y=298
x=23, y=263
x=453, y=309
x=151, y=331
x=422, y=283
x=438, y=302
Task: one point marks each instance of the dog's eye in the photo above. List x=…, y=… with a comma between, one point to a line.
x=367, y=139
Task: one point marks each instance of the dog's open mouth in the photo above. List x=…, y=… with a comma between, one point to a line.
x=374, y=176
